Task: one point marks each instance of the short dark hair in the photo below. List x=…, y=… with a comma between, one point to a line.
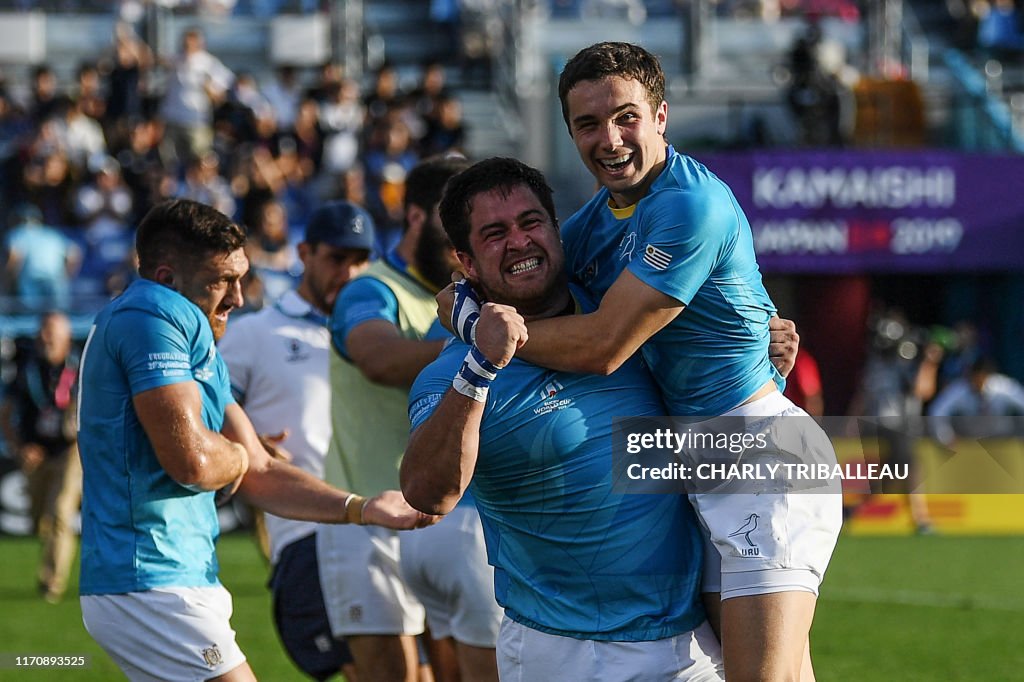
x=424, y=185
x=498, y=173
x=181, y=232
x=604, y=60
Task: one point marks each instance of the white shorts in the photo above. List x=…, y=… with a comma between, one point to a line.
x=528, y=655
x=364, y=593
x=765, y=542
x=445, y=566
x=172, y=633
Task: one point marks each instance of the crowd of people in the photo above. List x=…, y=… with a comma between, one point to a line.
x=82, y=162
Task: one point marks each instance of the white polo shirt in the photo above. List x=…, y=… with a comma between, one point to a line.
x=278, y=361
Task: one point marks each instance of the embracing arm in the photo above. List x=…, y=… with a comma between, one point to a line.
x=191, y=454
x=285, y=490
x=598, y=343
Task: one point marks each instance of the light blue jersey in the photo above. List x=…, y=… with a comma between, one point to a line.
x=571, y=557
x=141, y=529
x=689, y=239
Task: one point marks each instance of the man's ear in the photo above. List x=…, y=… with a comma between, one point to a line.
x=415, y=217
x=468, y=266
x=164, y=274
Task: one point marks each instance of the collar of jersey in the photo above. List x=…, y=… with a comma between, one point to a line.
x=398, y=263
x=293, y=305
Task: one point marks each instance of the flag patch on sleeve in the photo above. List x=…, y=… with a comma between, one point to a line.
x=656, y=258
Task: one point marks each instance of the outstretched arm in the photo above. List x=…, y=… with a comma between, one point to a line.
x=285, y=490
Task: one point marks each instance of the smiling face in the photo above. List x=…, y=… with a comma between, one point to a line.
x=619, y=137
x=515, y=253
x=215, y=285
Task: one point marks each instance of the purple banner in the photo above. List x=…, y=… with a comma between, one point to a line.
x=862, y=211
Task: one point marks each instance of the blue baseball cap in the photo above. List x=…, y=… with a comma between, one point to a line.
x=341, y=224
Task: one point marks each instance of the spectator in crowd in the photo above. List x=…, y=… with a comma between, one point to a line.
x=104, y=206
x=197, y=82
x=126, y=72
x=389, y=158
x=83, y=135
x=284, y=93
x=204, y=183
x=38, y=417
x=40, y=261
x=999, y=29
x=88, y=91
x=47, y=177
x=342, y=115
x=446, y=131
x=44, y=95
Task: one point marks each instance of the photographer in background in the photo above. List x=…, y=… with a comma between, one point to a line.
x=900, y=376
x=38, y=419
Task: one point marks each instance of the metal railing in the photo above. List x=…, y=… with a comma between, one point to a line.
x=981, y=118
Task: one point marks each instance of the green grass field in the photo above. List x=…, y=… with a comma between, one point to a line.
x=892, y=608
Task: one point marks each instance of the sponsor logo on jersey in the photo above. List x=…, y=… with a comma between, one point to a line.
x=550, y=400
x=656, y=258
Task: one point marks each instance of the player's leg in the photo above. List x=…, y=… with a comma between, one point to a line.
x=764, y=636
x=385, y=658
x=774, y=543
x=367, y=601
x=444, y=661
x=458, y=594
x=299, y=614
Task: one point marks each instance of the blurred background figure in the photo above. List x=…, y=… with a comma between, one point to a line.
x=803, y=385
x=40, y=261
x=980, y=404
x=900, y=376
x=38, y=419
x=197, y=83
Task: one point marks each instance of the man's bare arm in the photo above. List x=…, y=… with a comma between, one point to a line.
x=386, y=357
x=439, y=461
x=283, y=489
x=190, y=453
x=441, y=456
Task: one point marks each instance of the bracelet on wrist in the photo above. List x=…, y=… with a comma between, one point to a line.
x=361, y=502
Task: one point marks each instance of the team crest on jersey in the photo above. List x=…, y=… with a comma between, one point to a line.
x=551, y=389
x=212, y=656
x=550, y=402
x=627, y=246
x=297, y=351
x=656, y=258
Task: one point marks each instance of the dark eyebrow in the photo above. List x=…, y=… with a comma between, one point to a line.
x=522, y=216
x=586, y=118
